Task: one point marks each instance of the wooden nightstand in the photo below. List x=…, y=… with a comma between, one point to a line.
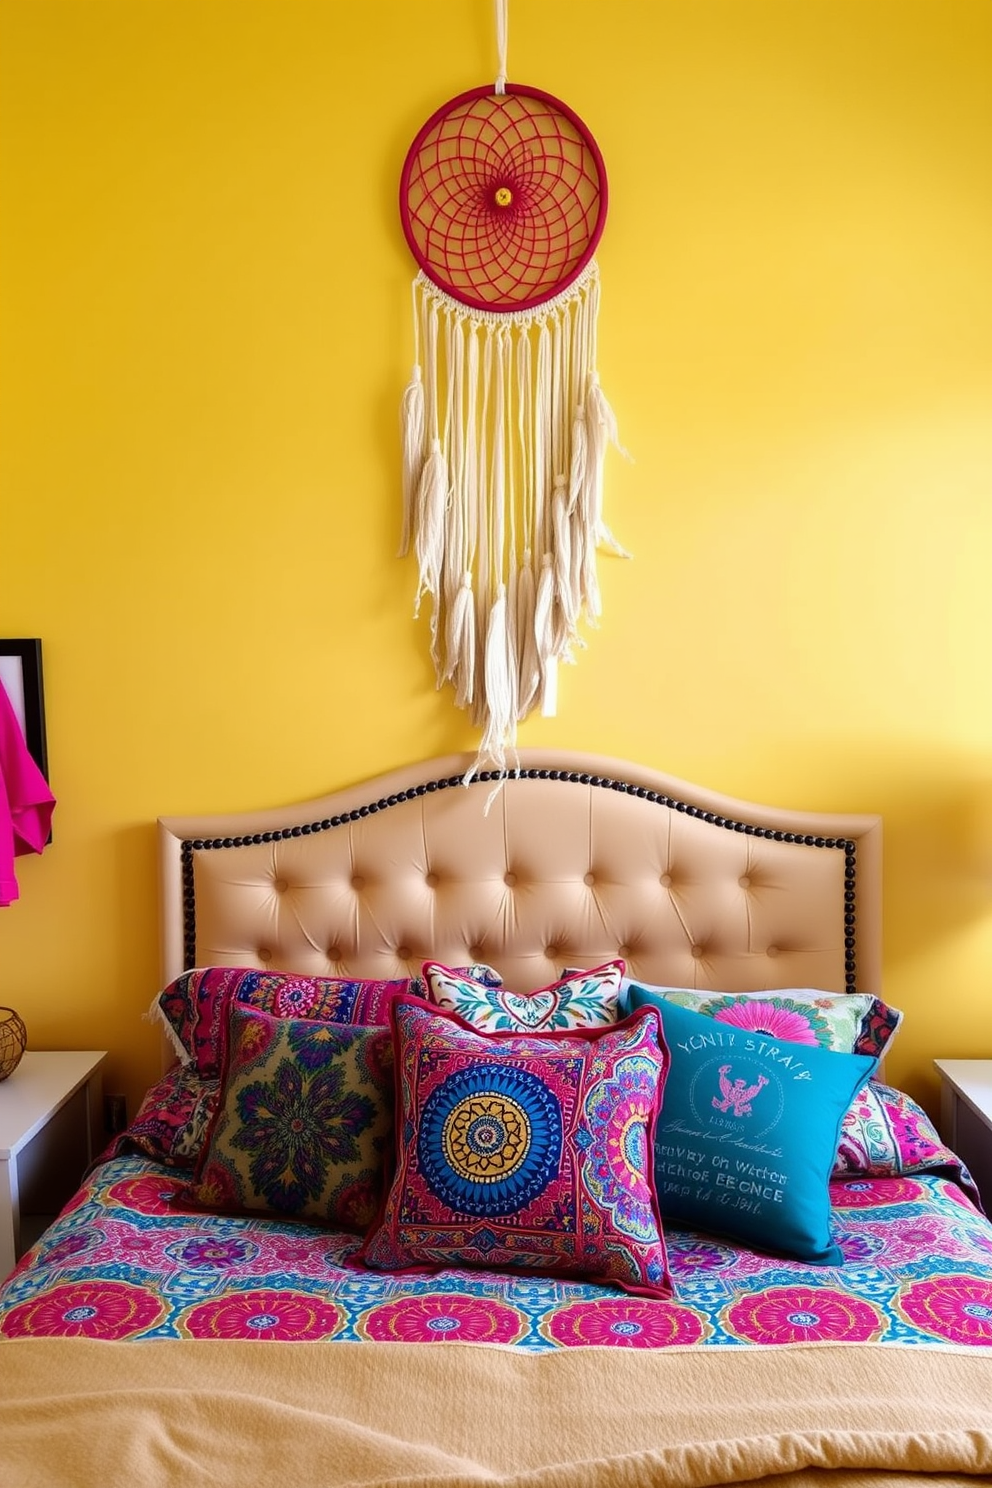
x=48, y=1114
x=966, y=1117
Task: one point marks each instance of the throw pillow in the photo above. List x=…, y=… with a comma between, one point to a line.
x=192, y=1008
x=850, y=1022
x=525, y=1153
x=746, y=1139
x=304, y=1121
x=581, y=999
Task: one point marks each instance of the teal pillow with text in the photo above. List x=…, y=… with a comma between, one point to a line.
x=747, y=1134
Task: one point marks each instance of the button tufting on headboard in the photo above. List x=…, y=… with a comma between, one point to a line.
x=411, y=866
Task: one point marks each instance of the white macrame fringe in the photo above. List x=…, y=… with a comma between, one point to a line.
x=156, y=1015
x=505, y=430
x=412, y=430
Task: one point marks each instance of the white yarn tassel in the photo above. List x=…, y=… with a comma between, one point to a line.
x=528, y=662
x=460, y=642
x=544, y=637
x=585, y=575
x=568, y=603
x=412, y=431
x=432, y=501
x=501, y=691
x=504, y=435
x=577, y=467
x=601, y=431
x=512, y=637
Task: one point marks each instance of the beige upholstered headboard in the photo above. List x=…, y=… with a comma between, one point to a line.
x=579, y=859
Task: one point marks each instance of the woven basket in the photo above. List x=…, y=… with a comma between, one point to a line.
x=13, y=1041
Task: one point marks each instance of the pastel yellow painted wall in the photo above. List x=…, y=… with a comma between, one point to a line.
x=204, y=297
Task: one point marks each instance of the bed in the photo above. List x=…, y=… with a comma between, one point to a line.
x=619, y=1195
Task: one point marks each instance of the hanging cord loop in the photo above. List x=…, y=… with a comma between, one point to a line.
x=502, y=26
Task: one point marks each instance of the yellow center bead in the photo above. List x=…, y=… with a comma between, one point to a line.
x=504, y=196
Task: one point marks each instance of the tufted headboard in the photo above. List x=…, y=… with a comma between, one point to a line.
x=578, y=860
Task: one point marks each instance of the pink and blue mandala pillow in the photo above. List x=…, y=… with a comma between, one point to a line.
x=304, y=1123
x=579, y=999
x=193, y=1007
x=525, y=1153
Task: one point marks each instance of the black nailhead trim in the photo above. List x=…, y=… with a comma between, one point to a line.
x=429, y=787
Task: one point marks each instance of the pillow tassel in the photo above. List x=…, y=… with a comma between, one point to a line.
x=155, y=1014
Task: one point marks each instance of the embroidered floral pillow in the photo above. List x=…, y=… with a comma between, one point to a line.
x=581, y=999
x=848, y=1022
x=192, y=1008
x=304, y=1121
x=525, y=1153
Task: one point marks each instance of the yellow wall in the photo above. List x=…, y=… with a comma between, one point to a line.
x=204, y=319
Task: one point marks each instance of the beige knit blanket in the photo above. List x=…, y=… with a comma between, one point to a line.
x=188, y=1414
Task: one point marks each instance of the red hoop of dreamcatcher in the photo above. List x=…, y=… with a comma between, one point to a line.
x=503, y=198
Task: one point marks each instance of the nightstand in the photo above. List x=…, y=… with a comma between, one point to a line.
x=966, y=1117
x=48, y=1114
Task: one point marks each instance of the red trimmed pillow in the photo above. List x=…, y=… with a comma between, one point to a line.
x=580, y=999
x=525, y=1153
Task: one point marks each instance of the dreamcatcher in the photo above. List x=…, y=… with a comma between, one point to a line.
x=505, y=428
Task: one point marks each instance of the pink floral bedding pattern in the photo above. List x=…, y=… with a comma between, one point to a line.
x=129, y=1258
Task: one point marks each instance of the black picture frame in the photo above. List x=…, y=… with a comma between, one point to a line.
x=22, y=678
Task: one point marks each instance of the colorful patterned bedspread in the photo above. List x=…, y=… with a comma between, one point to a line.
x=126, y=1259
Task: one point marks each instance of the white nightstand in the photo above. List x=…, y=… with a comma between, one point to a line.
x=966, y=1117
x=49, y=1110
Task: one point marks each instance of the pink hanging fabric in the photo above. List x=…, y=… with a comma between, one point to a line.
x=26, y=802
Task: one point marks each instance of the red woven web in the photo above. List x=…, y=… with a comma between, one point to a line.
x=503, y=198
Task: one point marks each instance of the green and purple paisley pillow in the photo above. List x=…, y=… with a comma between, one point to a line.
x=304, y=1122
x=525, y=1153
x=579, y=999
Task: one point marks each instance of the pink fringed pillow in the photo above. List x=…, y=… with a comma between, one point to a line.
x=193, y=1008
x=525, y=1153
